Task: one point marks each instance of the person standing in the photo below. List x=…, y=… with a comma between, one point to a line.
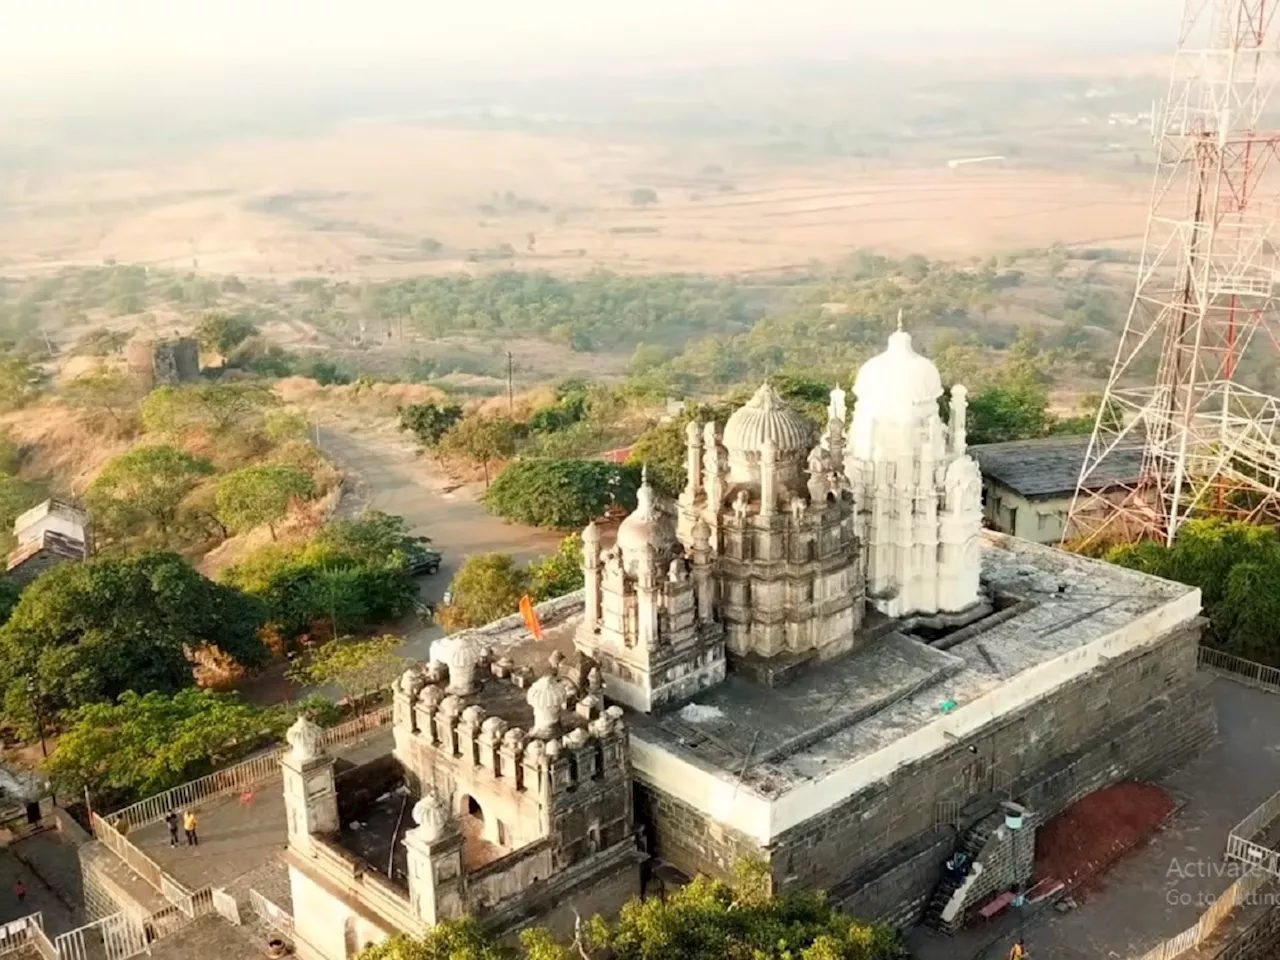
x=20, y=891
x=1018, y=952
x=189, y=825
x=171, y=820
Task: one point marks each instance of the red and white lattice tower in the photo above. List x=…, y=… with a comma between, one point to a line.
x=1204, y=315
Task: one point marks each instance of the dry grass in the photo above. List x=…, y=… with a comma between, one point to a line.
x=360, y=200
x=60, y=445
x=301, y=523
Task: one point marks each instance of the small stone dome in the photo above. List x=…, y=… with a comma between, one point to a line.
x=546, y=693
x=647, y=527
x=898, y=378
x=461, y=656
x=431, y=814
x=764, y=417
x=456, y=653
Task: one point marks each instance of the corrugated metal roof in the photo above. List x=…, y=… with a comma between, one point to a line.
x=1040, y=469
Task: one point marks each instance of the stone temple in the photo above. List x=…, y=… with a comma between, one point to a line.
x=814, y=656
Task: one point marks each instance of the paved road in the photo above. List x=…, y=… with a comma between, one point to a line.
x=386, y=473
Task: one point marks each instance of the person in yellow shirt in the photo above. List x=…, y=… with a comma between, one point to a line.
x=189, y=825
x=1018, y=952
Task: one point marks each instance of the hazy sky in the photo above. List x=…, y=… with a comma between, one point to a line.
x=47, y=38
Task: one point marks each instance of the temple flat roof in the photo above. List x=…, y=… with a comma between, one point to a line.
x=763, y=760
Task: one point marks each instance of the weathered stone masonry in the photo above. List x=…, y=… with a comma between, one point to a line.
x=1134, y=718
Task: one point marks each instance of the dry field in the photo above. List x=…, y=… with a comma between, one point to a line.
x=360, y=201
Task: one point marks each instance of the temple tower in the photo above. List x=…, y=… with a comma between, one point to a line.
x=919, y=493
x=773, y=515
x=649, y=622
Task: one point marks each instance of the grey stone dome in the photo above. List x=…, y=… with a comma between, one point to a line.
x=766, y=417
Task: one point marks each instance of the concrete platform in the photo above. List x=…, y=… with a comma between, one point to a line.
x=237, y=838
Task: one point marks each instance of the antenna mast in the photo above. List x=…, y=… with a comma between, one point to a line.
x=1200, y=341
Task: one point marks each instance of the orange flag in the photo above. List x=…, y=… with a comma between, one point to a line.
x=530, y=616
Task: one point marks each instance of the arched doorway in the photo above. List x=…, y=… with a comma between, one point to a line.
x=471, y=808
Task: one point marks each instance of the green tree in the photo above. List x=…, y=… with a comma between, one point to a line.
x=145, y=488
x=144, y=744
x=429, y=422
x=87, y=632
x=359, y=668
x=1236, y=566
x=704, y=920
x=373, y=537
x=451, y=940
x=221, y=332
x=561, y=494
x=215, y=407
x=486, y=587
x=108, y=391
x=559, y=573
x=480, y=440
x=253, y=496
x=352, y=574
x=328, y=374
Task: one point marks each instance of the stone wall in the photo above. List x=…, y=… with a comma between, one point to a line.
x=897, y=889
x=1132, y=719
x=600, y=885
x=1259, y=940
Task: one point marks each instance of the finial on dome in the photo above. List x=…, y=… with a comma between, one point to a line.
x=900, y=320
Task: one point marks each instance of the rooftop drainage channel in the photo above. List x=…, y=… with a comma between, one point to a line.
x=983, y=625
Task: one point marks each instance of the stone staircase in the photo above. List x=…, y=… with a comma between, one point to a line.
x=1001, y=859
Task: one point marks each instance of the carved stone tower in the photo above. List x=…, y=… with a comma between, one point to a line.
x=918, y=491
x=437, y=880
x=778, y=530
x=649, y=621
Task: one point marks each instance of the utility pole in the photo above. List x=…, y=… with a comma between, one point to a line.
x=511, y=397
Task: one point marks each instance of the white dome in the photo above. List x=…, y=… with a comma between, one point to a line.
x=764, y=417
x=898, y=378
x=648, y=526
x=546, y=693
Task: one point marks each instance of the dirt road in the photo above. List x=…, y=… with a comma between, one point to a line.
x=384, y=472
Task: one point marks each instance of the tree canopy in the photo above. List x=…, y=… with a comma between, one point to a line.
x=561, y=494
x=221, y=332
x=359, y=668
x=560, y=573
x=350, y=575
x=109, y=392
x=1236, y=566
x=214, y=407
x=704, y=920
x=480, y=440
x=429, y=422
x=487, y=587
x=254, y=496
x=90, y=631
x=144, y=488
x=146, y=743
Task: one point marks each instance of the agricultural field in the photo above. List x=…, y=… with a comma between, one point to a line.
x=385, y=201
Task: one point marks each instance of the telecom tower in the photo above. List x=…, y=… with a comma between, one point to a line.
x=1204, y=313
